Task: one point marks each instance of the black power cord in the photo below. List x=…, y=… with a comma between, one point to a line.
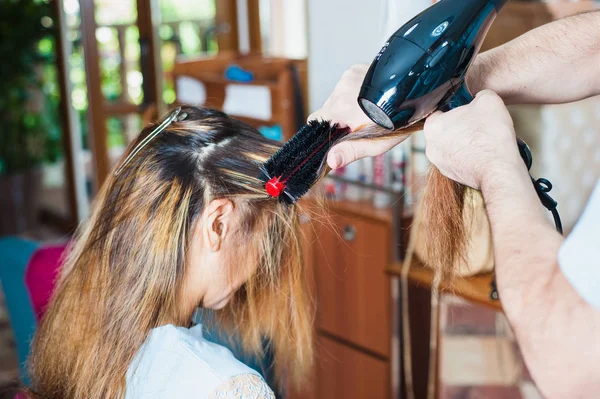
x=542, y=188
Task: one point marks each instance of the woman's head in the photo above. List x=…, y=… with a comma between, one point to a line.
x=185, y=223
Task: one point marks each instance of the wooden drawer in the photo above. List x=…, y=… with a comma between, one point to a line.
x=353, y=290
x=343, y=372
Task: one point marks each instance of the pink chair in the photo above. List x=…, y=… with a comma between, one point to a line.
x=41, y=274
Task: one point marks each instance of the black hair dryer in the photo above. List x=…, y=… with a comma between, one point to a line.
x=422, y=67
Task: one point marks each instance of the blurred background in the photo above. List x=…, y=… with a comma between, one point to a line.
x=79, y=79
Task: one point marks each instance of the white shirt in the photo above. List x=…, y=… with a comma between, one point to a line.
x=579, y=255
x=177, y=362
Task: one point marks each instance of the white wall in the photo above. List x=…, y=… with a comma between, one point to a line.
x=243, y=28
x=286, y=31
x=346, y=32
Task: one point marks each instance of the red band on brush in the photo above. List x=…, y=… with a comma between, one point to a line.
x=277, y=184
x=275, y=187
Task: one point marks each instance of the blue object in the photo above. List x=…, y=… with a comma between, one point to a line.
x=272, y=132
x=236, y=73
x=14, y=256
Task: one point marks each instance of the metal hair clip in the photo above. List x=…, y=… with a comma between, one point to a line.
x=176, y=115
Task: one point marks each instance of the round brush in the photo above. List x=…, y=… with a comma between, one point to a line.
x=299, y=164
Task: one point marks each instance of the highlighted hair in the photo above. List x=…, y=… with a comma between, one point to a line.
x=125, y=269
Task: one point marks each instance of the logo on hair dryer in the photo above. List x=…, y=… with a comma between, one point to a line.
x=385, y=46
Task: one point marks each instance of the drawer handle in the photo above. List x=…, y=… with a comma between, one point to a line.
x=349, y=233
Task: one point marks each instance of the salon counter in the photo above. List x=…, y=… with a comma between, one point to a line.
x=347, y=249
x=474, y=289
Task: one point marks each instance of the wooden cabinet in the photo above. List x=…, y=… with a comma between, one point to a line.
x=353, y=291
x=343, y=372
x=347, y=251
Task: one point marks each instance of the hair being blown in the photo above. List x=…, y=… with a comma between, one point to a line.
x=123, y=275
x=443, y=212
x=442, y=209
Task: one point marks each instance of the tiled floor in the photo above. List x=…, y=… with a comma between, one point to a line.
x=479, y=358
x=485, y=360
x=480, y=392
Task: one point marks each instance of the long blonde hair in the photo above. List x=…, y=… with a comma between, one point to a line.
x=124, y=272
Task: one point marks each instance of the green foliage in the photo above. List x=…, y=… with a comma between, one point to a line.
x=182, y=10
x=29, y=132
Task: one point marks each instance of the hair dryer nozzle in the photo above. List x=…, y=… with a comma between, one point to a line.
x=425, y=62
x=376, y=114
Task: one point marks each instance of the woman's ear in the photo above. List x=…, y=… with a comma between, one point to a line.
x=219, y=217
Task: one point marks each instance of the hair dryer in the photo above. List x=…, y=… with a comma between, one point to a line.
x=422, y=67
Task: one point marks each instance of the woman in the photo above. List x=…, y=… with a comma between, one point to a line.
x=184, y=222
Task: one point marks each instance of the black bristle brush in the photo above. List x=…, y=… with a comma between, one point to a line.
x=296, y=167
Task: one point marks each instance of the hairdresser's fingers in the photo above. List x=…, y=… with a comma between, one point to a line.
x=342, y=106
x=434, y=118
x=433, y=124
x=344, y=113
x=350, y=151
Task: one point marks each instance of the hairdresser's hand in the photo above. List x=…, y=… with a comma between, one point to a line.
x=473, y=143
x=342, y=108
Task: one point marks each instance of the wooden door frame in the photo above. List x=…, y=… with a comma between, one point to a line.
x=70, y=128
x=254, y=26
x=98, y=134
x=150, y=62
x=147, y=22
x=225, y=14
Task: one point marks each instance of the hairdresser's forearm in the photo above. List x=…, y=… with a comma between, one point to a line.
x=525, y=252
x=556, y=330
x=522, y=234
x=555, y=63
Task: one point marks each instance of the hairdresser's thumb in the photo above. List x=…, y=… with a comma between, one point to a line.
x=349, y=151
x=341, y=155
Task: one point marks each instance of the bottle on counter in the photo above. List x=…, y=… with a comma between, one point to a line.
x=419, y=166
x=353, y=172
x=398, y=164
x=382, y=177
x=340, y=187
x=366, y=177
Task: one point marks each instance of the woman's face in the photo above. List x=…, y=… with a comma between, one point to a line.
x=220, y=260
